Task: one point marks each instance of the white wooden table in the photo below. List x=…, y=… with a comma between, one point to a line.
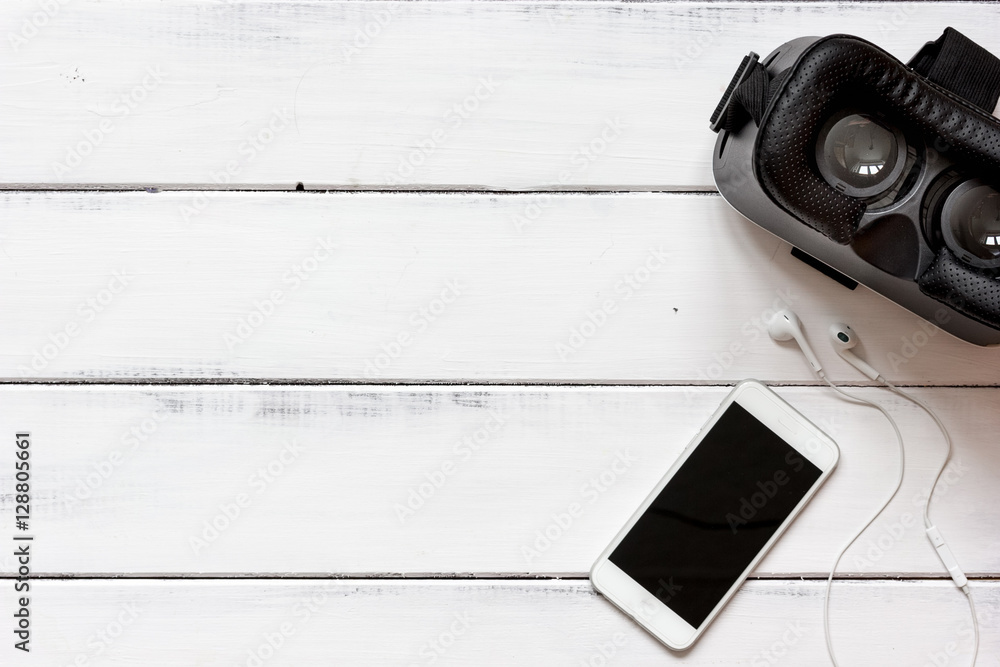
x=273, y=427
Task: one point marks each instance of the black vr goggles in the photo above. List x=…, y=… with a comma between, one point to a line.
x=884, y=172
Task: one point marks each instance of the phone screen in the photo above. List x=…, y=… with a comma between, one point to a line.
x=715, y=515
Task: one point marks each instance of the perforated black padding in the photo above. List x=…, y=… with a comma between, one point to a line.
x=842, y=71
x=970, y=291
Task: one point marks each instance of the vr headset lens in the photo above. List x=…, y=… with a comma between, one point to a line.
x=860, y=156
x=970, y=223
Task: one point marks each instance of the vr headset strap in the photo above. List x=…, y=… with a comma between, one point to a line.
x=954, y=62
x=961, y=66
x=749, y=92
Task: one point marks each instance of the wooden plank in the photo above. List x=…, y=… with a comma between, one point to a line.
x=499, y=95
x=492, y=622
x=414, y=287
x=424, y=480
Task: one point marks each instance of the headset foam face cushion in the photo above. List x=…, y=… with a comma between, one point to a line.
x=971, y=292
x=841, y=72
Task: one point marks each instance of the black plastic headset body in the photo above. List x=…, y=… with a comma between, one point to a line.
x=888, y=173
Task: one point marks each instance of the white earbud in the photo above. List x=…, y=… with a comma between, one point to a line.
x=785, y=325
x=843, y=338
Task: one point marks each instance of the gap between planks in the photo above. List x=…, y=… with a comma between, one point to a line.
x=111, y=188
x=417, y=383
x=457, y=576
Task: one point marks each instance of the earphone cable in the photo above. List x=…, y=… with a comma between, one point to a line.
x=930, y=494
x=895, y=490
x=944, y=432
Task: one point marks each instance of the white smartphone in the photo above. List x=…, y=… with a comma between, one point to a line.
x=730, y=495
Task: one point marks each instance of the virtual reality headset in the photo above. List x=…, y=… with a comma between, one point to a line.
x=877, y=172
